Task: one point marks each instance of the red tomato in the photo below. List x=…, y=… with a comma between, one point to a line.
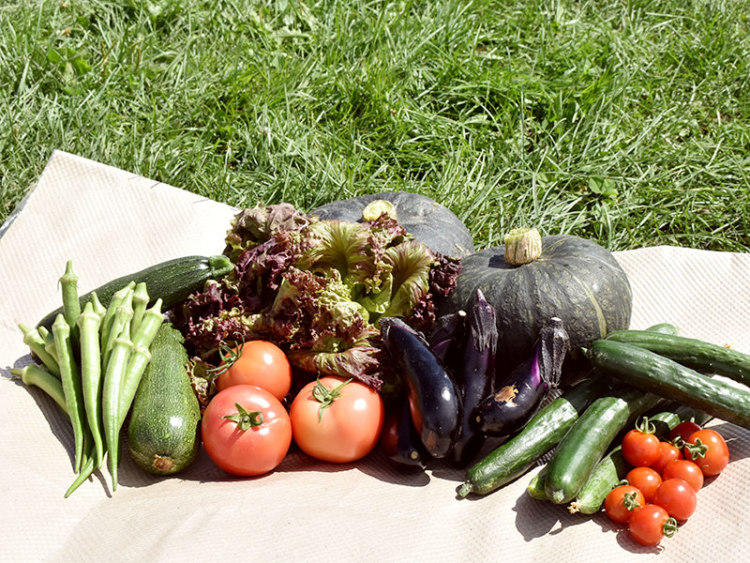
x=650, y=523
x=708, y=450
x=260, y=363
x=645, y=479
x=686, y=470
x=668, y=452
x=640, y=448
x=680, y=433
x=621, y=501
x=246, y=430
x=337, y=420
x=677, y=497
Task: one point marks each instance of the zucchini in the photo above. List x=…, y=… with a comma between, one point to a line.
x=588, y=439
x=664, y=328
x=658, y=374
x=696, y=354
x=163, y=427
x=172, y=281
x=516, y=456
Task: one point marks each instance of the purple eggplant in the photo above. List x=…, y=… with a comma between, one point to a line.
x=476, y=376
x=519, y=396
x=447, y=336
x=400, y=440
x=434, y=400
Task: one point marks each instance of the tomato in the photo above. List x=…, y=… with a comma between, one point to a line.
x=680, y=433
x=640, y=447
x=708, y=450
x=645, y=479
x=246, y=430
x=260, y=363
x=650, y=523
x=337, y=420
x=677, y=497
x=686, y=470
x=668, y=452
x=621, y=501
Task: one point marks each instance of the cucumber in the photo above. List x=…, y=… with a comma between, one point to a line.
x=516, y=456
x=588, y=439
x=696, y=354
x=172, y=281
x=658, y=374
x=664, y=328
x=163, y=427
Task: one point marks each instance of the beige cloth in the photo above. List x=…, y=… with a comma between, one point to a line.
x=111, y=222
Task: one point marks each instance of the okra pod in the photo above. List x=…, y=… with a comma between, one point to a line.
x=34, y=340
x=91, y=375
x=71, y=303
x=122, y=316
x=38, y=376
x=140, y=302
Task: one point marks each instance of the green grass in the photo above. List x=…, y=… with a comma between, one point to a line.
x=625, y=121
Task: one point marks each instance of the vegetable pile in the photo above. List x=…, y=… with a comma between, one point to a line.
x=338, y=336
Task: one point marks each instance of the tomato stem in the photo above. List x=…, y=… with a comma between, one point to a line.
x=645, y=426
x=670, y=527
x=326, y=396
x=696, y=450
x=244, y=418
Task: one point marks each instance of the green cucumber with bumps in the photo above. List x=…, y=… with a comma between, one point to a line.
x=163, y=427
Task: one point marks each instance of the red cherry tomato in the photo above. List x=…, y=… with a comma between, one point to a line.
x=645, y=479
x=337, y=420
x=668, y=452
x=640, y=446
x=650, y=523
x=677, y=497
x=708, y=449
x=680, y=433
x=621, y=501
x=246, y=430
x=686, y=470
x=260, y=363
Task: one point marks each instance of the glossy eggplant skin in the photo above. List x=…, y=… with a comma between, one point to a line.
x=446, y=338
x=400, y=440
x=475, y=376
x=434, y=400
x=520, y=395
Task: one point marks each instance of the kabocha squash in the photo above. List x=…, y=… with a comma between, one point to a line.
x=563, y=276
x=429, y=222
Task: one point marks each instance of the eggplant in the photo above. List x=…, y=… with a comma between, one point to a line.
x=476, y=376
x=400, y=440
x=434, y=401
x=447, y=336
x=520, y=395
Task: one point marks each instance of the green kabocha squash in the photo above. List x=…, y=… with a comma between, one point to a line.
x=531, y=279
x=429, y=222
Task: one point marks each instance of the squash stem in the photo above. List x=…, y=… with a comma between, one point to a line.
x=522, y=246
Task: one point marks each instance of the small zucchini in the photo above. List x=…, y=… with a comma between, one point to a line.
x=696, y=354
x=172, y=281
x=588, y=439
x=163, y=427
x=658, y=374
x=517, y=455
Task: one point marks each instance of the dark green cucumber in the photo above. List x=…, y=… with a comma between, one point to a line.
x=664, y=328
x=658, y=374
x=693, y=353
x=171, y=281
x=535, y=487
x=588, y=439
x=516, y=456
x=163, y=427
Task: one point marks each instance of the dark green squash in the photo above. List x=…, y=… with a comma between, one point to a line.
x=573, y=278
x=429, y=222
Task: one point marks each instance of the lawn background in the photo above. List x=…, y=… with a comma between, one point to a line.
x=624, y=121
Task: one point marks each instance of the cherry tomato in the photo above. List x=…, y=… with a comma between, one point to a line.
x=680, y=433
x=337, y=420
x=246, y=430
x=708, y=450
x=677, y=497
x=645, y=479
x=686, y=470
x=621, y=501
x=260, y=363
x=640, y=447
x=668, y=452
x=650, y=523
